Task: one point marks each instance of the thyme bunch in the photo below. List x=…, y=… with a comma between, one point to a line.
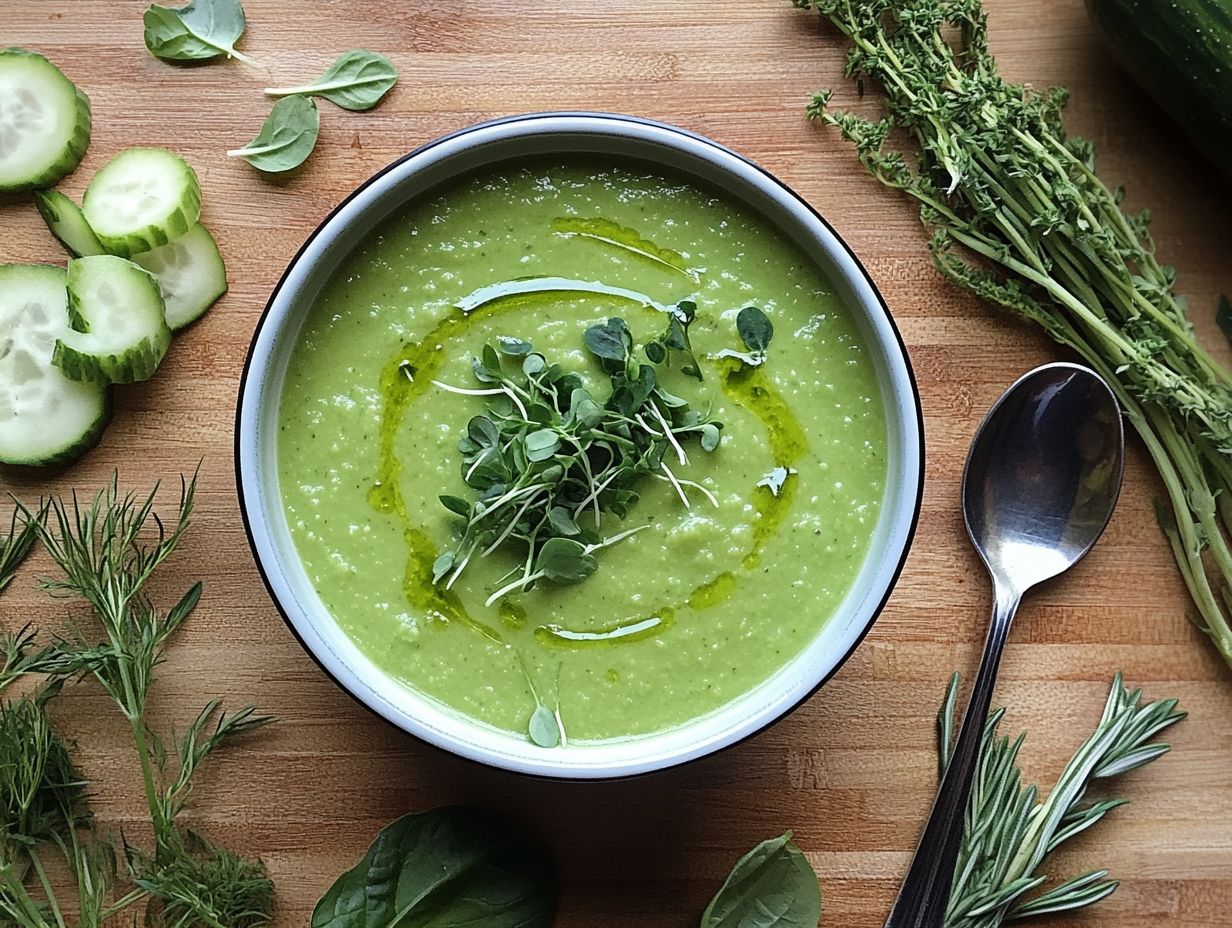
x=1020, y=218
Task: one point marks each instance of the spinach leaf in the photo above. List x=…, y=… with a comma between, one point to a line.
x=448, y=868
x=286, y=138
x=772, y=886
x=356, y=81
x=202, y=30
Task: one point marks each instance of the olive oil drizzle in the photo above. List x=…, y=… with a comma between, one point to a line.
x=614, y=235
x=408, y=375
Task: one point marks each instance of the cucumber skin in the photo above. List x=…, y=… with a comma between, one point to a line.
x=133, y=366
x=77, y=144
x=1181, y=54
x=77, y=449
x=180, y=221
x=48, y=203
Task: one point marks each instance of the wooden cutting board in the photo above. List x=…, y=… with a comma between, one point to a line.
x=852, y=771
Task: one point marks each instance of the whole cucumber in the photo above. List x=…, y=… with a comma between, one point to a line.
x=1180, y=52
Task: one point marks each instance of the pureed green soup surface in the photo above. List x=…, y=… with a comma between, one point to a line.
x=679, y=619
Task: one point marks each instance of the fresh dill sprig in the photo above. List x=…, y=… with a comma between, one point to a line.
x=549, y=460
x=1010, y=830
x=1020, y=218
x=16, y=544
x=108, y=550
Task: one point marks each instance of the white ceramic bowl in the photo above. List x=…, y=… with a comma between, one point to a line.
x=428, y=168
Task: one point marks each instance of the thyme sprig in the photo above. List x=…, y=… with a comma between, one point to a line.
x=1020, y=218
x=108, y=550
x=549, y=460
x=1010, y=830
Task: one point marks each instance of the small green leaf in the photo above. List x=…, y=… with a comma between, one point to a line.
x=710, y=436
x=534, y=364
x=610, y=340
x=655, y=352
x=483, y=432
x=543, y=728
x=772, y=886
x=563, y=560
x=754, y=329
x=542, y=444
x=514, y=347
x=286, y=138
x=442, y=566
x=456, y=505
x=562, y=521
x=357, y=80
x=198, y=31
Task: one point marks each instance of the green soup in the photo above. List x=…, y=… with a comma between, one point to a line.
x=702, y=604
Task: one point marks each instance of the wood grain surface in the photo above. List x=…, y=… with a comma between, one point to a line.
x=852, y=771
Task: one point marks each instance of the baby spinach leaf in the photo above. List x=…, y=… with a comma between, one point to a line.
x=451, y=867
x=754, y=329
x=199, y=31
x=286, y=139
x=356, y=81
x=772, y=886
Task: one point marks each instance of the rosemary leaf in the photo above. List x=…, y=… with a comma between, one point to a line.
x=1010, y=831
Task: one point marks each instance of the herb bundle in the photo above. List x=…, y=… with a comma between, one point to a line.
x=108, y=550
x=1020, y=218
x=1010, y=830
x=548, y=459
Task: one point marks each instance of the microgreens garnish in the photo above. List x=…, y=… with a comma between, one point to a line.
x=755, y=330
x=549, y=460
x=676, y=338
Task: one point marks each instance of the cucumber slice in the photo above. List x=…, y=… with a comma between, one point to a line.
x=140, y=199
x=119, y=325
x=67, y=223
x=190, y=272
x=44, y=121
x=45, y=418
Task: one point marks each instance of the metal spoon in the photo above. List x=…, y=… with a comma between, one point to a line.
x=1041, y=481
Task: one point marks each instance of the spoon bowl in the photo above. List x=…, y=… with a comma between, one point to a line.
x=1043, y=474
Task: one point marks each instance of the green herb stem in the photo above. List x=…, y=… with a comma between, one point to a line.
x=1020, y=218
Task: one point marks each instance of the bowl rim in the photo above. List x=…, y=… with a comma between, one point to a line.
x=913, y=440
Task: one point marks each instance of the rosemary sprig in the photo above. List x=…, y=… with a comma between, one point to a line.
x=1010, y=831
x=1020, y=218
x=549, y=460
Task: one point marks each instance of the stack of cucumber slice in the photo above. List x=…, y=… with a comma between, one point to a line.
x=142, y=266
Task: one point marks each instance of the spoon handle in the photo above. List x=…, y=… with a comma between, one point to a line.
x=924, y=895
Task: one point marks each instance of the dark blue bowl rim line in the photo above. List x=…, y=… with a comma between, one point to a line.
x=908, y=541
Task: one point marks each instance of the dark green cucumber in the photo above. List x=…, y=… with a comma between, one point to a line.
x=1180, y=51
